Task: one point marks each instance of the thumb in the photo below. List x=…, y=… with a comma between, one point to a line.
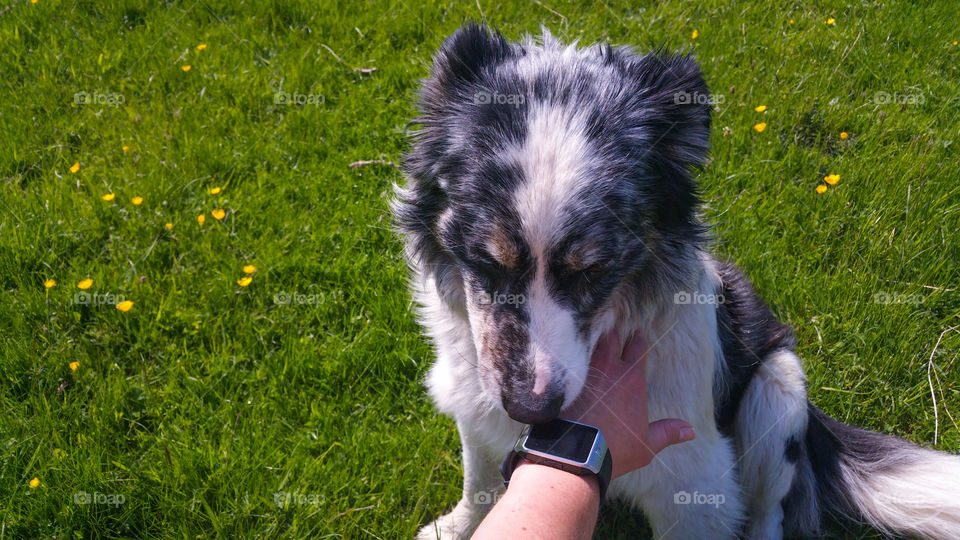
x=664, y=433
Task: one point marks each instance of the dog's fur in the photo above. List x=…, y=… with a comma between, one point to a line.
x=550, y=199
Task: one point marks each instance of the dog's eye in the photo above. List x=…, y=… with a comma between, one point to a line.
x=594, y=270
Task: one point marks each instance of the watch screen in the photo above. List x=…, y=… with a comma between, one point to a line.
x=562, y=439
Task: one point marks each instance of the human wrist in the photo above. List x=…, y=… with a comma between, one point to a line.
x=556, y=478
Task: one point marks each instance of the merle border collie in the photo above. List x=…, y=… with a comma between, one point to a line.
x=550, y=198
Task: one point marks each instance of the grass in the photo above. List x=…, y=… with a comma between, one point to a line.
x=207, y=399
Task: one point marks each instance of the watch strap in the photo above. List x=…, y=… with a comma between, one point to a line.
x=603, y=477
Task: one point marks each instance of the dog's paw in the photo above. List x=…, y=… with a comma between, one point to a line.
x=456, y=525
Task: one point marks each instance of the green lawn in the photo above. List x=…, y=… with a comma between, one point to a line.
x=206, y=404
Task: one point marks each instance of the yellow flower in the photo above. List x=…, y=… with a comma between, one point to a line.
x=109, y=196
x=829, y=21
x=244, y=281
x=760, y=108
x=49, y=283
x=137, y=201
x=186, y=67
x=75, y=167
x=201, y=46
x=215, y=190
x=791, y=21
x=760, y=127
x=33, y=1
x=821, y=188
x=249, y=269
x=954, y=43
x=831, y=179
x=35, y=482
x=85, y=284
x=74, y=366
x=694, y=34
x=168, y=226
x=201, y=219
x=218, y=214
x=125, y=306
x=843, y=135
x=126, y=148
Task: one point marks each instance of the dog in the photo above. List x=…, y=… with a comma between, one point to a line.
x=549, y=199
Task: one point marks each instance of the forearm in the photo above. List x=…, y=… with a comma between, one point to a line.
x=543, y=502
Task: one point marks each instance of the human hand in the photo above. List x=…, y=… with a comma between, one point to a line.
x=614, y=400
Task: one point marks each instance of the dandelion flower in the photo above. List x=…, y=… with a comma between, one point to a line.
x=201, y=46
x=125, y=306
x=760, y=108
x=109, y=196
x=33, y=1
x=760, y=127
x=218, y=214
x=821, y=188
x=843, y=135
x=954, y=43
x=791, y=21
x=49, y=283
x=831, y=179
x=35, y=482
x=186, y=67
x=137, y=201
x=694, y=34
x=85, y=284
x=215, y=190
x=249, y=269
x=244, y=281
x=829, y=21
x=168, y=226
x=201, y=219
x=75, y=167
x=74, y=366
x=126, y=148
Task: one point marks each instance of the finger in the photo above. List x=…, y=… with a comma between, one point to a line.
x=664, y=433
x=635, y=348
x=604, y=352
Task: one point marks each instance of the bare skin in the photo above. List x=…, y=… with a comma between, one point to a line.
x=543, y=502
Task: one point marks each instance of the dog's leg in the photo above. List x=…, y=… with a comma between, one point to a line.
x=769, y=429
x=689, y=490
x=482, y=487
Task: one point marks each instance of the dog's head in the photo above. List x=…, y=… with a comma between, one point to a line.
x=547, y=185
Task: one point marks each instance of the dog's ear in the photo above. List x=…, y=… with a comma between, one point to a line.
x=463, y=57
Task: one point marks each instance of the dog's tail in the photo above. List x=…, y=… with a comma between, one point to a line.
x=895, y=486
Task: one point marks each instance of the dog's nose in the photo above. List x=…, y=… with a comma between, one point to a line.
x=530, y=409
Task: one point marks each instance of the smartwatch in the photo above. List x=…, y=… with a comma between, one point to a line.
x=569, y=446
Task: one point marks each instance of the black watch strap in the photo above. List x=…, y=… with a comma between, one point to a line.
x=603, y=477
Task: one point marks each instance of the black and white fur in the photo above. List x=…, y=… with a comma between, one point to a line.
x=550, y=199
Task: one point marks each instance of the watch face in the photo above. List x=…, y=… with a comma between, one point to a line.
x=562, y=439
